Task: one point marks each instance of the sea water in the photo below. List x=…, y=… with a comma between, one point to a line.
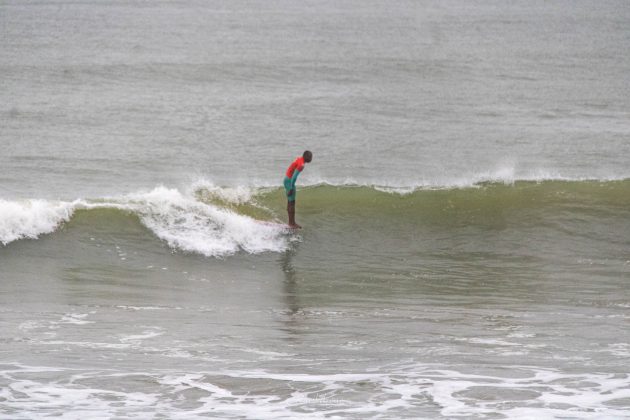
x=465, y=250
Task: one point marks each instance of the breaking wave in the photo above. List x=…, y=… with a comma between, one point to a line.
x=180, y=219
x=216, y=221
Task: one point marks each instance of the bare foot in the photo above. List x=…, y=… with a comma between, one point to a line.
x=295, y=226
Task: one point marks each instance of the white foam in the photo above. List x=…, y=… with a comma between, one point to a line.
x=147, y=308
x=77, y=319
x=619, y=349
x=419, y=391
x=268, y=355
x=31, y=218
x=190, y=225
x=147, y=334
x=490, y=342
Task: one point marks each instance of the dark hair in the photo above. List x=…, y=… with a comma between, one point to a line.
x=308, y=154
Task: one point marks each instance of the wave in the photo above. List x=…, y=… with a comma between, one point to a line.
x=179, y=219
x=216, y=221
x=506, y=175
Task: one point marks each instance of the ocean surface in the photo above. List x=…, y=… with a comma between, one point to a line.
x=466, y=241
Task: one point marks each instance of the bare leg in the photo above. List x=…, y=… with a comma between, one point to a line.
x=291, y=211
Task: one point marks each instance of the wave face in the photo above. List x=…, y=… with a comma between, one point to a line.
x=520, y=205
x=214, y=221
x=503, y=194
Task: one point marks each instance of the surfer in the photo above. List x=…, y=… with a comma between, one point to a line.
x=289, y=184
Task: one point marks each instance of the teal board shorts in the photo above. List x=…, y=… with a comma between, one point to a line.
x=287, y=188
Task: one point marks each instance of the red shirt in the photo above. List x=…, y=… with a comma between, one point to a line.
x=297, y=164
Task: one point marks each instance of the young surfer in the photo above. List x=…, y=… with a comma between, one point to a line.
x=289, y=184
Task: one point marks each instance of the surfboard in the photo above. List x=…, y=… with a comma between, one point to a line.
x=276, y=225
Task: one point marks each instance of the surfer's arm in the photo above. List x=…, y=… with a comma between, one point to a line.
x=294, y=178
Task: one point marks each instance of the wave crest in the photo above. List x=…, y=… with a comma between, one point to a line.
x=31, y=218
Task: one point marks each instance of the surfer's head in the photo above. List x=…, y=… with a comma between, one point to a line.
x=308, y=156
